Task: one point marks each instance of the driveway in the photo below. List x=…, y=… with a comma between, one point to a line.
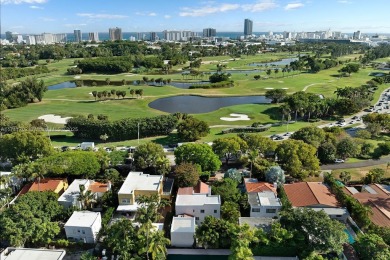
x=383, y=160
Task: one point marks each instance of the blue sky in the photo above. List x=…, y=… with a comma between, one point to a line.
x=37, y=16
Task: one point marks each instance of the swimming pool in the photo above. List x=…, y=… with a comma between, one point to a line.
x=351, y=239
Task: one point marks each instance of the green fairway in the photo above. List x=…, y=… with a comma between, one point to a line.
x=79, y=101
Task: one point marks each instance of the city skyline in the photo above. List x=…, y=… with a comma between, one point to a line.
x=59, y=16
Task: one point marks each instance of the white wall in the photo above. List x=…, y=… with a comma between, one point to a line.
x=88, y=234
x=263, y=211
x=182, y=239
x=196, y=211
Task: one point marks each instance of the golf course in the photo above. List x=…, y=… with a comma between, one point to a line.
x=72, y=102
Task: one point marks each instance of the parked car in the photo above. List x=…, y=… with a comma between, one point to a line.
x=339, y=161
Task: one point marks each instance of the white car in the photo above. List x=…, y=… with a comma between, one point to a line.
x=339, y=161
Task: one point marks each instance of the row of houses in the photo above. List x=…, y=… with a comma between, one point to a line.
x=193, y=204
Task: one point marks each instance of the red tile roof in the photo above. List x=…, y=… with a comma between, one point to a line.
x=259, y=187
x=185, y=191
x=201, y=188
x=379, y=204
x=98, y=187
x=305, y=194
x=46, y=185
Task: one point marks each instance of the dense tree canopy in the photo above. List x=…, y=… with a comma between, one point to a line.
x=151, y=156
x=200, y=154
x=318, y=231
x=310, y=135
x=192, y=129
x=228, y=147
x=33, y=220
x=371, y=246
x=187, y=174
x=297, y=158
x=23, y=146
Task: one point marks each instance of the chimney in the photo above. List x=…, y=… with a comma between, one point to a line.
x=108, y=186
x=275, y=185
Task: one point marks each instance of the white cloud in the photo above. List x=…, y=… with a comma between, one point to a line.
x=102, y=16
x=260, y=6
x=208, y=9
x=345, y=2
x=146, y=13
x=293, y=6
x=23, y=1
x=35, y=7
x=167, y=16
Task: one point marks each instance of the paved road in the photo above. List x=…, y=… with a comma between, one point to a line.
x=383, y=160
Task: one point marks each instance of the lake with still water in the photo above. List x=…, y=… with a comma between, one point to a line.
x=199, y=104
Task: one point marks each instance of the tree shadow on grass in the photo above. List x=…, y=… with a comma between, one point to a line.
x=273, y=113
x=168, y=140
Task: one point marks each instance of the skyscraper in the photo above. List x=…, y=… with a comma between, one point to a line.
x=115, y=34
x=77, y=36
x=209, y=32
x=153, y=37
x=93, y=37
x=248, y=27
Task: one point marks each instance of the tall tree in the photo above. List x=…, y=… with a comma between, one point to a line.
x=187, y=174
x=148, y=157
x=192, y=129
x=229, y=147
x=201, y=154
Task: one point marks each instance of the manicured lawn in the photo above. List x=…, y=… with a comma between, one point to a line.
x=358, y=173
x=79, y=101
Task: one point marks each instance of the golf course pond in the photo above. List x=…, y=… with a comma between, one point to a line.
x=199, y=104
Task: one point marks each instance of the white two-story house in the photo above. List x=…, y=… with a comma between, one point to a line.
x=264, y=204
x=199, y=206
x=83, y=226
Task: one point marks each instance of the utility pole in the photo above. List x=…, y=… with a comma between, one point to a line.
x=138, y=133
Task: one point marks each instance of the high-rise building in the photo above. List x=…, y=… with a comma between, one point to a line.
x=209, y=32
x=8, y=36
x=153, y=37
x=77, y=36
x=172, y=35
x=248, y=27
x=115, y=34
x=140, y=36
x=93, y=37
x=357, y=35
x=59, y=38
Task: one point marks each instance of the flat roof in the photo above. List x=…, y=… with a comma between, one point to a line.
x=140, y=181
x=183, y=224
x=82, y=219
x=197, y=200
x=72, y=192
x=32, y=254
x=266, y=198
x=332, y=211
x=257, y=222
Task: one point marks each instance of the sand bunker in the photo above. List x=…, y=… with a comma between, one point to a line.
x=76, y=77
x=235, y=117
x=284, y=88
x=268, y=88
x=50, y=118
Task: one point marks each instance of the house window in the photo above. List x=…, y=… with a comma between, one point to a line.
x=215, y=211
x=196, y=218
x=255, y=210
x=125, y=200
x=83, y=232
x=270, y=211
x=78, y=231
x=338, y=216
x=202, y=211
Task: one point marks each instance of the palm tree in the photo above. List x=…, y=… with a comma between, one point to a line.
x=252, y=155
x=86, y=198
x=157, y=246
x=37, y=172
